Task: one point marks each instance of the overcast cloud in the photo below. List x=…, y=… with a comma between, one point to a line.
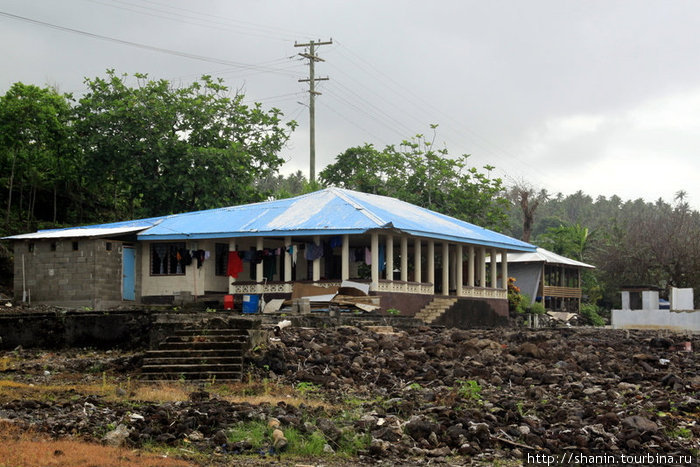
x=598, y=96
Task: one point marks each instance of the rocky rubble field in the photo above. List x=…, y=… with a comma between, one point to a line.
x=500, y=393
x=421, y=395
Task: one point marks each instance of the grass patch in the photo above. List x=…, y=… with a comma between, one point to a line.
x=30, y=449
x=310, y=445
x=255, y=432
x=162, y=391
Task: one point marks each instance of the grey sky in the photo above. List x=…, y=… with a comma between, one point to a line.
x=599, y=96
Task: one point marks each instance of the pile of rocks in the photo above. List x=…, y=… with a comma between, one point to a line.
x=441, y=392
x=421, y=393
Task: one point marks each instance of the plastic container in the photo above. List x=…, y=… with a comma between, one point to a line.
x=250, y=303
x=228, y=302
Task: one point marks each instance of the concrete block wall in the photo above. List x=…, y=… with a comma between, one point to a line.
x=53, y=270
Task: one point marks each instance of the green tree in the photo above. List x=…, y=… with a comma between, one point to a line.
x=566, y=240
x=420, y=174
x=363, y=168
x=278, y=186
x=161, y=149
x=35, y=147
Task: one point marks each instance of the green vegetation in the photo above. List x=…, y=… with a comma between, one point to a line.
x=305, y=388
x=418, y=172
x=469, y=390
x=259, y=435
x=537, y=308
x=681, y=432
x=590, y=313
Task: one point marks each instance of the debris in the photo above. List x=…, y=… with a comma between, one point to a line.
x=116, y=437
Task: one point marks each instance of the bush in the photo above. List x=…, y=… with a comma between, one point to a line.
x=537, y=308
x=590, y=314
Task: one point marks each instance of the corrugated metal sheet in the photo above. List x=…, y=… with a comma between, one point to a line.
x=544, y=256
x=332, y=211
x=100, y=230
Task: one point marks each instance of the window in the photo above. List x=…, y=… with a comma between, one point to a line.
x=221, y=259
x=53, y=246
x=108, y=246
x=30, y=248
x=169, y=259
x=75, y=246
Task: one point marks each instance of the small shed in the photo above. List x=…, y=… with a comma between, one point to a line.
x=548, y=277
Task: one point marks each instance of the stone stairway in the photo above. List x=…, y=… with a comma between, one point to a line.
x=436, y=308
x=198, y=354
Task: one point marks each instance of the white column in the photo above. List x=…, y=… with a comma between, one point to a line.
x=345, y=258
x=259, y=266
x=231, y=280
x=374, y=245
x=504, y=268
x=317, y=262
x=445, y=268
x=417, y=267
x=389, y=257
x=470, y=266
x=404, y=262
x=494, y=269
x=430, y=263
x=287, y=260
x=482, y=266
x=460, y=269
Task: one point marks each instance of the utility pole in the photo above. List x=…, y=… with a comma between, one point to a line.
x=312, y=97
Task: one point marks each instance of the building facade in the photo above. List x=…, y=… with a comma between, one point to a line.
x=405, y=253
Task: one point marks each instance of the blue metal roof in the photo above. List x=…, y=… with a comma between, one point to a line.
x=331, y=211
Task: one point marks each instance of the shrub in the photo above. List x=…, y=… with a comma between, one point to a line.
x=537, y=308
x=590, y=314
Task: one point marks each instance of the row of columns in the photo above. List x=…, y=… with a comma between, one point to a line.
x=451, y=262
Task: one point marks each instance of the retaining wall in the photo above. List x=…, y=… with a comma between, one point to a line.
x=656, y=319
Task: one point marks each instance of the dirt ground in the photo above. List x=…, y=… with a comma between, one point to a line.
x=372, y=396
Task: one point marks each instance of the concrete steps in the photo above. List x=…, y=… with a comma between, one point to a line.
x=196, y=354
x=436, y=308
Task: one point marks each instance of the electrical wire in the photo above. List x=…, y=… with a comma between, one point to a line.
x=411, y=97
x=192, y=56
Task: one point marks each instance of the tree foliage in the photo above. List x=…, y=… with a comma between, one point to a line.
x=418, y=173
x=162, y=149
x=630, y=242
x=126, y=151
x=279, y=186
x=36, y=150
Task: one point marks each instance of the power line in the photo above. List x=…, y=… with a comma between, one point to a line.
x=192, y=56
x=410, y=96
x=178, y=17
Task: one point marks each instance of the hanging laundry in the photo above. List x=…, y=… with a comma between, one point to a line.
x=259, y=256
x=368, y=256
x=248, y=256
x=359, y=254
x=199, y=256
x=186, y=257
x=313, y=251
x=336, y=241
x=293, y=251
x=269, y=267
x=382, y=264
x=235, y=265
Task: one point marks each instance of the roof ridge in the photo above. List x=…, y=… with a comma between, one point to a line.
x=363, y=210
